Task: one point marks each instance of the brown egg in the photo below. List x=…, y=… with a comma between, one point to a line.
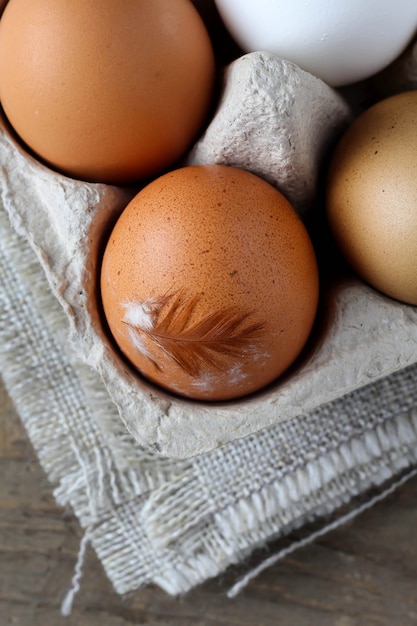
x=209, y=282
x=372, y=196
x=105, y=90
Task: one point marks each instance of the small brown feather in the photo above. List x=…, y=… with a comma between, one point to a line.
x=202, y=344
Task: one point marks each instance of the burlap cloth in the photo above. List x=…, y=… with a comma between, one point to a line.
x=178, y=523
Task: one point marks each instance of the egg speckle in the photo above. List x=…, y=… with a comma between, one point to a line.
x=209, y=282
x=106, y=91
x=372, y=196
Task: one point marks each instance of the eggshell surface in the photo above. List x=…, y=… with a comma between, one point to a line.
x=105, y=91
x=341, y=42
x=209, y=282
x=372, y=196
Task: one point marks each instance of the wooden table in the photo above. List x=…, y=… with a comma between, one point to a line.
x=362, y=574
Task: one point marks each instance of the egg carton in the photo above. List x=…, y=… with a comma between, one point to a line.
x=278, y=121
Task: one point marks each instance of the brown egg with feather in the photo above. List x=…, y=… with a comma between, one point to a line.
x=209, y=282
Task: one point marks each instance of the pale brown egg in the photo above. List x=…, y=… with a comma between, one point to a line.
x=209, y=282
x=106, y=90
x=372, y=196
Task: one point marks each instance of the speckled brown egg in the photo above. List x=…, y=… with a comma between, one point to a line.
x=106, y=90
x=372, y=196
x=209, y=282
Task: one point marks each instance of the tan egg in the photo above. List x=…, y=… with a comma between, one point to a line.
x=105, y=90
x=372, y=196
x=209, y=282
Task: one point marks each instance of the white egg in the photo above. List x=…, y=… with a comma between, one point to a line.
x=340, y=41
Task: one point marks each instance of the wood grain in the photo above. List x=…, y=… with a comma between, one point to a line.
x=362, y=574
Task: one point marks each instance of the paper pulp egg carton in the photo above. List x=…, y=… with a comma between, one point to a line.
x=278, y=121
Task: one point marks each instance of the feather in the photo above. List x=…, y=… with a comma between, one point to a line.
x=197, y=346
